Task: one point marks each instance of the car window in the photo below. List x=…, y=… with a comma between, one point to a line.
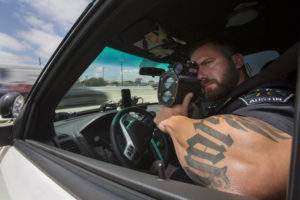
x=104, y=79
x=256, y=61
x=114, y=70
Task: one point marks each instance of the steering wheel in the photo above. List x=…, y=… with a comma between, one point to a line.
x=133, y=134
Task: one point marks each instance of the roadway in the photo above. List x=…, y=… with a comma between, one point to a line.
x=114, y=94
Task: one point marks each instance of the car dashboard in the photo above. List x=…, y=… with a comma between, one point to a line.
x=89, y=134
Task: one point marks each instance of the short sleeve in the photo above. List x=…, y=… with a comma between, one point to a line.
x=274, y=106
x=280, y=116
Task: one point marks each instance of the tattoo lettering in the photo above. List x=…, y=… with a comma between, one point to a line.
x=260, y=128
x=213, y=120
x=208, y=144
x=217, y=176
x=254, y=128
x=212, y=175
x=275, y=132
x=226, y=139
x=213, y=151
x=232, y=123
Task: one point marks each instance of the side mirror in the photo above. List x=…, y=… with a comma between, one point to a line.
x=11, y=105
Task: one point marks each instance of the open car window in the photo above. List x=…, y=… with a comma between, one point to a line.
x=255, y=62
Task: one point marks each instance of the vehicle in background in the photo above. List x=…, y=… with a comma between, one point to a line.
x=18, y=78
x=80, y=95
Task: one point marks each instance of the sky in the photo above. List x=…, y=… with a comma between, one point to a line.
x=110, y=61
x=32, y=29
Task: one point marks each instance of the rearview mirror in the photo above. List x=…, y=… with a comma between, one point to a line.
x=11, y=105
x=151, y=71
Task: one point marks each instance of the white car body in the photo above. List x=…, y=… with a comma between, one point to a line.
x=17, y=173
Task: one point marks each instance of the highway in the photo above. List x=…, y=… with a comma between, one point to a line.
x=114, y=94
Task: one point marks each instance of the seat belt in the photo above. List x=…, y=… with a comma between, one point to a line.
x=286, y=63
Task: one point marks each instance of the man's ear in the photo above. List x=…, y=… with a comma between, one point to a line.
x=238, y=60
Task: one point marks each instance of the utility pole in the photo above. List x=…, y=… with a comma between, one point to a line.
x=103, y=73
x=40, y=62
x=121, y=73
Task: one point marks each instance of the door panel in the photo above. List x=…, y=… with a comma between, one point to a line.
x=80, y=182
x=88, y=178
x=23, y=180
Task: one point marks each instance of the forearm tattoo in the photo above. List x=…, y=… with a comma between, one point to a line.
x=214, y=176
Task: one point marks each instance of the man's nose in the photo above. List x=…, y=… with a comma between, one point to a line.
x=201, y=74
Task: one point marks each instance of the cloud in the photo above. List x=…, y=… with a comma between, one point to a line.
x=43, y=24
x=113, y=73
x=46, y=23
x=34, y=22
x=45, y=42
x=8, y=42
x=63, y=13
x=131, y=71
x=10, y=58
x=99, y=69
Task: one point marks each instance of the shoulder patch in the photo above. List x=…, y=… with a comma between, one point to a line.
x=266, y=95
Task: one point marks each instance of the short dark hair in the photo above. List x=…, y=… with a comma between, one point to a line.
x=226, y=46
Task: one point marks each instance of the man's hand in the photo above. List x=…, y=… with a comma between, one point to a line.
x=167, y=112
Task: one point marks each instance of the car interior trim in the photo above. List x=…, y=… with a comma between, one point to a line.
x=14, y=181
x=80, y=182
x=149, y=185
x=294, y=177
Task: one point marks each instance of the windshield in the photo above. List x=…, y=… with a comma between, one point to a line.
x=103, y=80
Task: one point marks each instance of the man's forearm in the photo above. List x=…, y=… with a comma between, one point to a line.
x=216, y=150
x=199, y=148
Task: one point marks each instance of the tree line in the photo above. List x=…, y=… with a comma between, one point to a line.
x=101, y=82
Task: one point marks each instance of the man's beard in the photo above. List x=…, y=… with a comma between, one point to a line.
x=228, y=83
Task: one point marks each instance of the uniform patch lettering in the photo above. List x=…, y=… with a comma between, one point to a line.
x=266, y=95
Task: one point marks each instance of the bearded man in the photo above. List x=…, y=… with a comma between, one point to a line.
x=242, y=148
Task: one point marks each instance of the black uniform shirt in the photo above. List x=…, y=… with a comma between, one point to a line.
x=271, y=102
